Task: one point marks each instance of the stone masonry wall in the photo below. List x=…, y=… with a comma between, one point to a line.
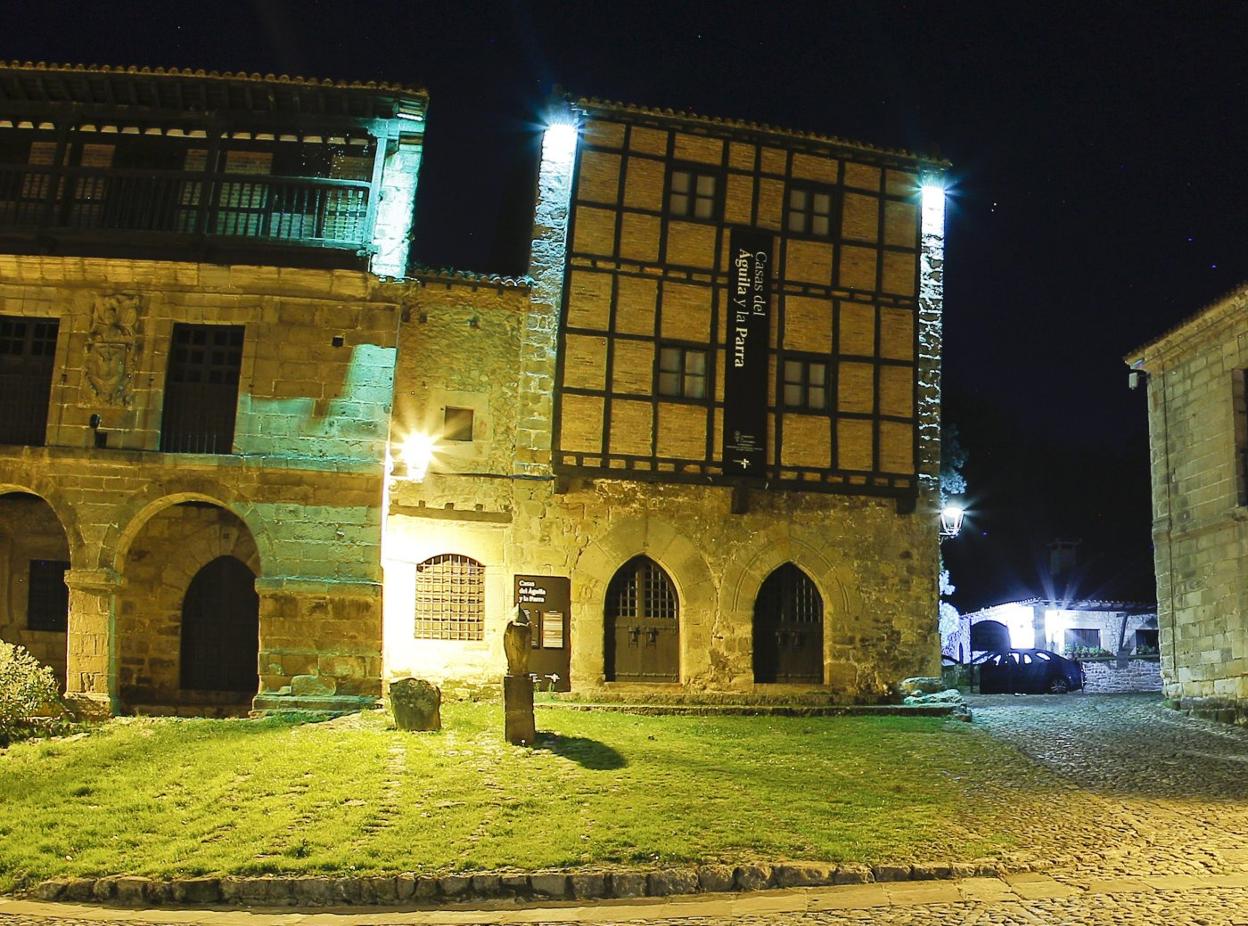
x=1197, y=436
x=1112, y=676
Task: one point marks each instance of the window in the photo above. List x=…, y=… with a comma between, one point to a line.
x=1146, y=641
x=27, y=351
x=47, y=596
x=806, y=384
x=692, y=195
x=682, y=372
x=810, y=211
x=641, y=589
x=457, y=424
x=1083, y=637
x=201, y=390
x=450, y=599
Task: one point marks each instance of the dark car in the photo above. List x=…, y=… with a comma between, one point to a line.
x=1027, y=671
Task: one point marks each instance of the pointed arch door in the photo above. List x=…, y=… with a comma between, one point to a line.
x=642, y=624
x=221, y=629
x=788, y=629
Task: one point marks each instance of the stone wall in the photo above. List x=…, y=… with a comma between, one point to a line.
x=305, y=477
x=29, y=530
x=1112, y=676
x=1198, y=433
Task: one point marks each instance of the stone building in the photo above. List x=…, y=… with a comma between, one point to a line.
x=698, y=444
x=196, y=370
x=1198, y=437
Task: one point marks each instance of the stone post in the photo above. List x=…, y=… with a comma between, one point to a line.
x=91, y=658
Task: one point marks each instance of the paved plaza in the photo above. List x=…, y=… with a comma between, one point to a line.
x=1139, y=816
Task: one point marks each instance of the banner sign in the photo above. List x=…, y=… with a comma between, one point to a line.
x=745, y=370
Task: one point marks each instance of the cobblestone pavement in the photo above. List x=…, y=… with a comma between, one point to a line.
x=1128, y=813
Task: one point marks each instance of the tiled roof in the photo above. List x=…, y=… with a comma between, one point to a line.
x=200, y=73
x=1077, y=604
x=592, y=103
x=1240, y=291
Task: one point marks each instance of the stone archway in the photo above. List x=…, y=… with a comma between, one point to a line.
x=788, y=629
x=35, y=555
x=163, y=572
x=683, y=563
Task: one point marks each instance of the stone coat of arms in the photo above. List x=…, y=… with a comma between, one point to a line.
x=113, y=347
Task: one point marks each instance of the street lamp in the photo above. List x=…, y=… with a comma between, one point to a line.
x=951, y=519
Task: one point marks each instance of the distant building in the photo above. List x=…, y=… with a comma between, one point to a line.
x=251, y=459
x=1198, y=436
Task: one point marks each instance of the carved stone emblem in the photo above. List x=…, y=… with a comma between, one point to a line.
x=113, y=347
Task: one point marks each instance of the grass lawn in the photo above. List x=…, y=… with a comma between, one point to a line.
x=165, y=797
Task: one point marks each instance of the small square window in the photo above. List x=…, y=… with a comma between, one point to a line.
x=457, y=424
x=692, y=194
x=806, y=384
x=810, y=211
x=682, y=372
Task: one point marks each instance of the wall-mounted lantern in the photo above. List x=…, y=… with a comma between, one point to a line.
x=951, y=519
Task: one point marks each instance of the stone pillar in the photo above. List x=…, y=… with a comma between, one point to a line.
x=91, y=673
x=547, y=266
x=518, y=725
x=320, y=644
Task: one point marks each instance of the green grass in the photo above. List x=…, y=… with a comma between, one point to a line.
x=168, y=797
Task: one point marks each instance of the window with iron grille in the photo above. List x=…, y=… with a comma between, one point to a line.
x=47, y=596
x=27, y=352
x=806, y=384
x=682, y=371
x=450, y=598
x=641, y=589
x=810, y=211
x=693, y=194
x=1083, y=637
x=201, y=389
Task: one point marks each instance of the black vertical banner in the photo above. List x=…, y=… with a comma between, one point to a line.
x=745, y=370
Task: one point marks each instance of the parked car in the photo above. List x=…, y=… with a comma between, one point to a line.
x=1027, y=671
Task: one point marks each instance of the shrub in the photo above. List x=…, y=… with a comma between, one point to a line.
x=26, y=687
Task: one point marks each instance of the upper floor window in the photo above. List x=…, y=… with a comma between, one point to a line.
x=806, y=384
x=201, y=389
x=47, y=596
x=682, y=372
x=810, y=211
x=693, y=194
x=27, y=352
x=450, y=598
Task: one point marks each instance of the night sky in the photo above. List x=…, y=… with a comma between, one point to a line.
x=1098, y=190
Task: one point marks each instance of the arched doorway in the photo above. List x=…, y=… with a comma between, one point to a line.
x=221, y=629
x=34, y=601
x=788, y=629
x=189, y=604
x=642, y=624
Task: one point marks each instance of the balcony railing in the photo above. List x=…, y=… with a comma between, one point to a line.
x=318, y=210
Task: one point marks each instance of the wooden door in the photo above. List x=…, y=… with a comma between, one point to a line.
x=642, y=625
x=27, y=352
x=788, y=629
x=221, y=629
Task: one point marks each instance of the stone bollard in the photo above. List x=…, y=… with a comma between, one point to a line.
x=416, y=704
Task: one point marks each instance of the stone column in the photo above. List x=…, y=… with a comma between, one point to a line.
x=91, y=671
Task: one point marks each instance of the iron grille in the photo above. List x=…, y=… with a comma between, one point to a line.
x=450, y=598
x=641, y=589
x=791, y=597
x=201, y=390
x=27, y=351
x=47, y=596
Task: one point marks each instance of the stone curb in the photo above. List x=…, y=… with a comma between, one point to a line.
x=428, y=890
